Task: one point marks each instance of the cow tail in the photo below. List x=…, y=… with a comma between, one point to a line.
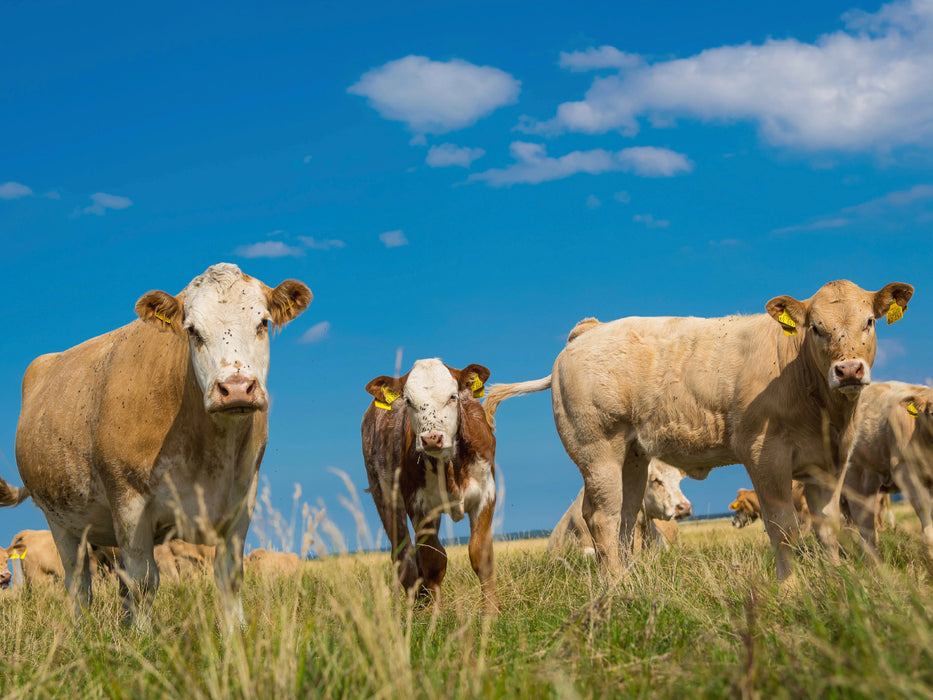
x=12, y=495
x=497, y=393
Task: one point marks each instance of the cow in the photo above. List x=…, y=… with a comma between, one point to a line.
x=156, y=430
x=267, y=563
x=428, y=450
x=747, y=510
x=892, y=450
x=775, y=392
x=664, y=501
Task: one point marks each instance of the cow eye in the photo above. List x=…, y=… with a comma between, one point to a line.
x=870, y=324
x=194, y=335
x=816, y=330
x=453, y=397
x=656, y=482
x=263, y=326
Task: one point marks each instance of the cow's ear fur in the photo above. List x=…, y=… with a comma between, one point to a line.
x=376, y=387
x=287, y=301
x=796, y=310
x=895, y=293
x=468, y=374
x=161, y=310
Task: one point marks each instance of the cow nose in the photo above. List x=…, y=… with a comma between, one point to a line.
x=433, y=440
x=237, y=391
x=849, y=371
x=682, y=510
x=5, y=579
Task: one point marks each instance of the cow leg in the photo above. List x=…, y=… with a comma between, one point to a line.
x=823, y=502
x=918, y=495
x=74, y=555
x=602, y=508
x=228, y=571
x=861, y=489
x=634, y=483
x=395, y=523
x=481, y=556
x=772, y=482
x=432, y=557
x=140, y=576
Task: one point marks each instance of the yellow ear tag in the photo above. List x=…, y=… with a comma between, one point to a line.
x=787, y=323
x=477, y=388
x=163, y=318
x=21, y=555
x=895, y=312
x=734, y=505
x=390, y=397
x=912, y=410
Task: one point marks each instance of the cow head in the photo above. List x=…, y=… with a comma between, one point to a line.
x=432, y=393
x=837, y=325
x=6, y=578
x=663, y=498
x=226, y=317
x=745, y=508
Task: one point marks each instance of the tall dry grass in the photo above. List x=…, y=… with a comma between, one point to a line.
x=703, y=620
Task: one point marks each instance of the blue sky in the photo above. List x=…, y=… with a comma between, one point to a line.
x=462, y=180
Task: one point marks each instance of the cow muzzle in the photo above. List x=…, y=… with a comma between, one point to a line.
x=6, y=578
x=682, y=510
x=849, y=376
x=237, y=394
x=433, y=441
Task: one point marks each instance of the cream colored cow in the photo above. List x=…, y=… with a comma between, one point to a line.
x=893, y=443
x=156, y=429
x=775, y=392
x=664, y=502
x=266, y=563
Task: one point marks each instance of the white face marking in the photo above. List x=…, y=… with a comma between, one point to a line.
x=663, y=493
x=225, y=315
x=433, y=407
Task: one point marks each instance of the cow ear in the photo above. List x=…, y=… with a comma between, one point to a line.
x=161, y=310
x=287, y=301
x=473, y=377
x=790, y=313
x=385, y=390
x=892, y=301
x=916, y=405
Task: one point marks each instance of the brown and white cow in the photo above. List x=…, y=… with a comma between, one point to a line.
x=892, y=450
x=428, y=451
x=664, y=501
x=747, y=510
x=775, y=392
x=156, y=429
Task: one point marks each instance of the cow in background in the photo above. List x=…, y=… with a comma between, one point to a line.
x=664, y=502
x=892, y=450
x=428, y=451
x=775, y=392
x=747, y=510
x=155, y=430
x=267, y=563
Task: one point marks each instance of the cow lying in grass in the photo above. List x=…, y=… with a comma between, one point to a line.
x=893, y=447
x=428, y=451
x=664, y=504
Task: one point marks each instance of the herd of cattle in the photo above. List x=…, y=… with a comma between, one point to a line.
x=142, y=446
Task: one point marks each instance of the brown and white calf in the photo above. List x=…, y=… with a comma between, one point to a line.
x=428, y=451
x=893, y=449
x=155, y=430
x=775, y=392
x=664, y=502
x=747, y=510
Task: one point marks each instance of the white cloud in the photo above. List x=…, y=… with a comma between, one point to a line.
x=592, y=202
x=534, y=166
x=434, y=97
x=52, y=194
x=103, y=202
x=418, y=140
x=268, y=249
x=594, y=59
x=448, y=154
x=650, y=222
x=887, y=351
x=901, y=198
x=324, y=244
x=814, y=226
x=14, y=190
x=895, y=204
x=865, y=87
x=316, y=333
x=393, y=239
x=622, y=196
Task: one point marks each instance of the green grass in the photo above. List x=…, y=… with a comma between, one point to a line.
x=705, y=619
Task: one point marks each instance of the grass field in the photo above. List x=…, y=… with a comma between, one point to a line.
x=705, y=619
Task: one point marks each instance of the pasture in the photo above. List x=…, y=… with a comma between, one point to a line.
x=705, y=619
